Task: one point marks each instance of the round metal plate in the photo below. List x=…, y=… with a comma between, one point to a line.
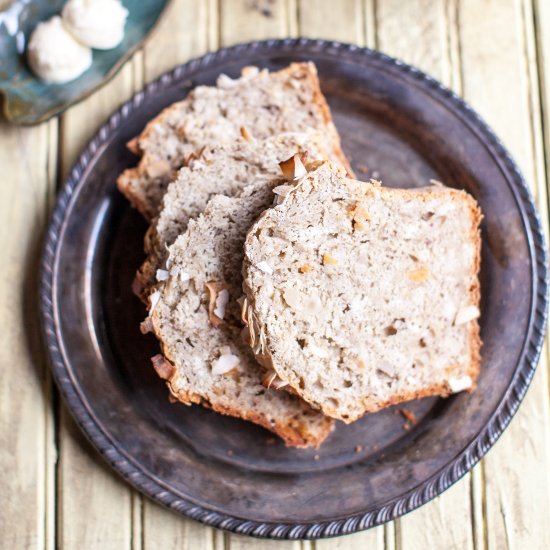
x=408, y=129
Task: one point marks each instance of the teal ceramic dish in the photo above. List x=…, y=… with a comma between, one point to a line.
x=28, y=100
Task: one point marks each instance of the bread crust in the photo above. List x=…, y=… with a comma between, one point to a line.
x=296, y=436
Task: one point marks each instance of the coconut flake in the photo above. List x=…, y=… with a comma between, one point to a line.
x=225, y=81
x=293, y=168
x=221, y=303
x=460, y=384
x=153, y=300
x=162, y=275
x=466, y=314
x=224, y=363
x=264, y=266
x=270, y=379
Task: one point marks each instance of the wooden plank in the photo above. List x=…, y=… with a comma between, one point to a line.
x=241, y=21
x=27, y=456
x=183, y=32
x=415, y=31
x=540, y=65
x=244, y=20
x=81, y=122
x=500, y=80
x=186, y=30
x=164, y=529
x=322, y=19
x=419, y=32
x=94, y=505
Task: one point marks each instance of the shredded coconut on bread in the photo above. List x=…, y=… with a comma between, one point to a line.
x=259, y=104
x=224, y=169
x=195, y=316
x=360, y=296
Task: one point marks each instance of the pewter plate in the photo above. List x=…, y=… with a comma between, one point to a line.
x=407, y=129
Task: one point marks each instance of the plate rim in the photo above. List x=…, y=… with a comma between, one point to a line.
x=410, y=500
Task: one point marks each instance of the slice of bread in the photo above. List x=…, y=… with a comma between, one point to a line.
x=224, y=169
x=360, y=296
x=195, y=316
x=260, y=104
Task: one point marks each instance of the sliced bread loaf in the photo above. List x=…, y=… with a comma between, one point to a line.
x=224, y=169
x=195, y=316
x=360, y=296
x=260, y=104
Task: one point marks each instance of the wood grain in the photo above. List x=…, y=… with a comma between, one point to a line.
x=497, y=45
x=94, y=505
x=418, y=32
x=343, y=21
x=191, y=22
x=244, y=20
x=27, y=452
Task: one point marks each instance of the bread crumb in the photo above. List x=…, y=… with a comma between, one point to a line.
x=146, y=326
x=419, y=275
x=329, y=260
x=306, y=268
x=316, y=457
x=164, y=368
x=363, y=168
x=229, y=452
x=270, y=441
x=408, y=415
x=358, y=448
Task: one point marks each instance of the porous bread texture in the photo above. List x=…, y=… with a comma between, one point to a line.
x=360, y=296
x=195, y=316
x=259, y=104
x=223, y=169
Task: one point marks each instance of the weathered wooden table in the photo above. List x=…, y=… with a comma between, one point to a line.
x=55, y=490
